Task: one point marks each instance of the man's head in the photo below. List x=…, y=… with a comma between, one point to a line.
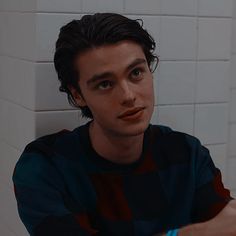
x=89, y=33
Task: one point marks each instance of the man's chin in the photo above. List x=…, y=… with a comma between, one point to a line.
x=135, y=130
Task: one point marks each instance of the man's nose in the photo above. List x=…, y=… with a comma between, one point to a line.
x=127, y=93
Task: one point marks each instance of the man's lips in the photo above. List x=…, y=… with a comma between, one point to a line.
x=131, y=112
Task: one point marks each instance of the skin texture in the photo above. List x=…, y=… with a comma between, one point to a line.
x=113, y=138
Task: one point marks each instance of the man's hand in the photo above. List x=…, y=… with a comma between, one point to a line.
x=222, y=224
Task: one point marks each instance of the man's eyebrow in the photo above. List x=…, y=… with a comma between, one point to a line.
x=135, y=63
x=108, y=74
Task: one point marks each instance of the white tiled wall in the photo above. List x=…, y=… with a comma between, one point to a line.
x=231, y=164
x=214, y=38
x=179, y=7
x=178, y=38
x=142, y=7
x=59, y=6
x=176, y=82
x=219, y=8
x=195, y=83
x=214, y=75
x=210, y=123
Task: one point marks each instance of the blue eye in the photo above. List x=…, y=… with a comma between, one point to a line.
x=137, y=72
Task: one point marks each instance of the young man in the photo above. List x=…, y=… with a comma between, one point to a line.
x=118, y=174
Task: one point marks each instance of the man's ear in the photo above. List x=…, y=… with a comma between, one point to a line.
x=78, y=98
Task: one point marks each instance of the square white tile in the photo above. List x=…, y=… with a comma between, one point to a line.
x=48, y=28
x=2, y=31
x=143, y=7
x=177, y=117
x=234, y=9
x=4, y=126
x=178, y=38
x=212, y=82
x=55, y=121
x=59, y=6
x=9, y=214
x=102, y=6
x=214, y=38
x=9, y=157
x=234, y=34
x=17, y=81
x=233, y=71
x=215, y=8
x=2, y=76
x=232, y=116
x=18, y=35
x=20, y=127
x=176, y=83
x=4, y=229
x=232, y=139
x=2, y=122
x=211, y=123
x=47, y=94
x=179, y=7
x=23, y=5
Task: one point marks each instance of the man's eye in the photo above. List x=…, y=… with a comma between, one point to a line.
x=105, y=82
x=136, y=72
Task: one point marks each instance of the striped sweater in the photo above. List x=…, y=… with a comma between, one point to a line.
x=63, y=187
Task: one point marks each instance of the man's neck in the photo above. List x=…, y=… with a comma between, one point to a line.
x=122, y=150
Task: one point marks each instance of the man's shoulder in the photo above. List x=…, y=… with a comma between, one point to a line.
x=63, y=144
x=46, y=144
x=175, y=146
x=168, y=133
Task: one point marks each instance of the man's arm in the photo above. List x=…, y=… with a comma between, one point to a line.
x=214, y=210
x=222, y=224
x=210, y=214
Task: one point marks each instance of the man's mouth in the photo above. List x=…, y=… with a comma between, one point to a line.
x=131, y=112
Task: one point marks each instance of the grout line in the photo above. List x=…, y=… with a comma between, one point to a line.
x=81, y=5
x=62, y=110
x=123, y=2
x=183, y=104
x=126, y=13
x=213, y=144
x=77, y=109
x=161, y=60
x=37, y=110
x=18, y=58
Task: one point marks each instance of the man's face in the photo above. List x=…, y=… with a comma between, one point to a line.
x=122, y=81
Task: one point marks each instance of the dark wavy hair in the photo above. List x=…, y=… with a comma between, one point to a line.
x=92, y=31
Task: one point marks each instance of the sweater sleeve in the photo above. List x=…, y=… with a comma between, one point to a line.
x=40, y=195
x=210, y=194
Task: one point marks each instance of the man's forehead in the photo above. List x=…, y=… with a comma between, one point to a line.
x=110, y=57
x=125, y=48
x=108, y=54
